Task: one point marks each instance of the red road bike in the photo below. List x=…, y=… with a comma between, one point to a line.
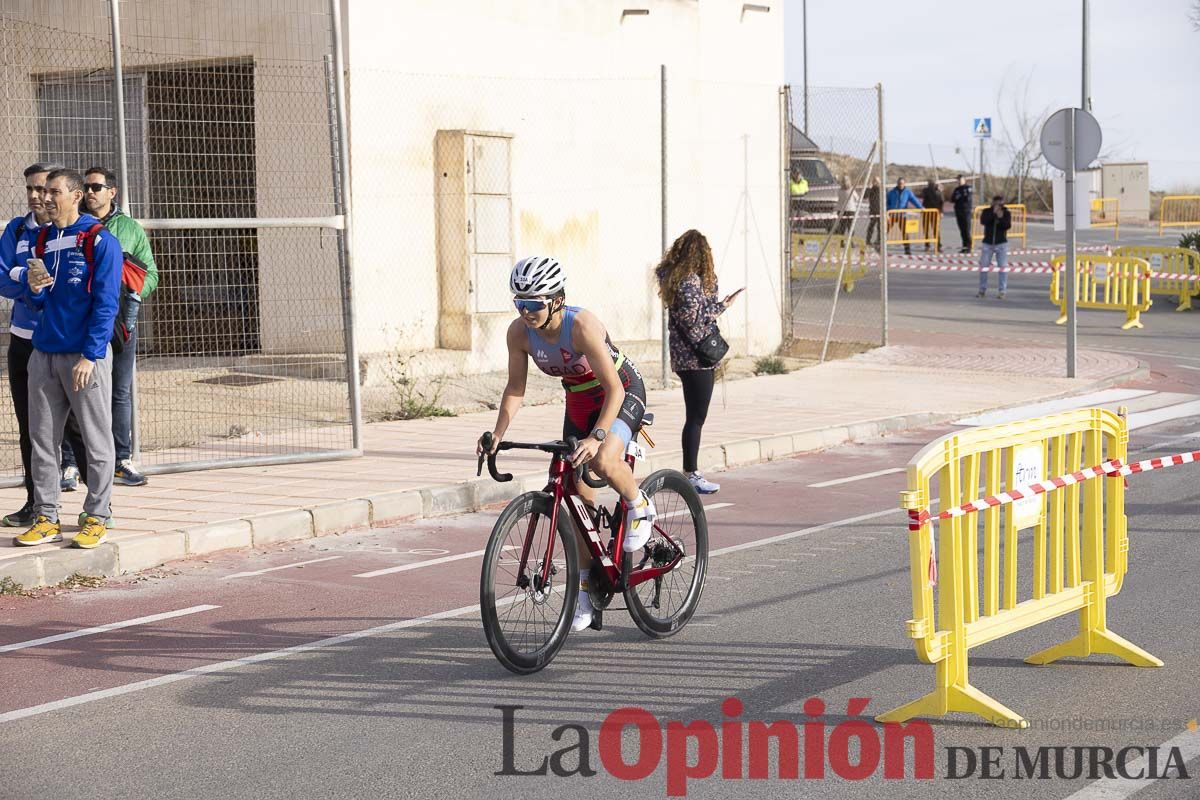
x=530, y=580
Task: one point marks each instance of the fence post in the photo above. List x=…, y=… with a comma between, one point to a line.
x=665, y=358
x=883, y=183
x=346, y=260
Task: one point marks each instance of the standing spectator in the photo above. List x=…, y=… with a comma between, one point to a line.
x=961, y=198
x=71, y=368
x=872, y=194
x=847, y=205
x=901, y=197
x=99, y=198
x=932, y=197
x=18, y=238
x=797, y=188
x=687, y=284
x=996, y=220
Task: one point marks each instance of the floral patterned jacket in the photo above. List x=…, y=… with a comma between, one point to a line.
x=692, y=315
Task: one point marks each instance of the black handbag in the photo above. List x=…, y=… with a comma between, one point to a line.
x=710, y=349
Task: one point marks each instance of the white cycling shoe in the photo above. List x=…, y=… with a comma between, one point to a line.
x=583, y=610
x=639, y=523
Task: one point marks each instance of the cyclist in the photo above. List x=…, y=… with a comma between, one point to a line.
x=606, y=397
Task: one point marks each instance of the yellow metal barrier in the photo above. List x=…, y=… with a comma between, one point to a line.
x=1019, y=223
x=916, y=225
x=1173, y=261
x=1178, y=210
x=1107, y=283
x=806, y=249
x=1106, y=213
x=1079, y=550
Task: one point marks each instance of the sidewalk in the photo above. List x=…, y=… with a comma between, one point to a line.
x=420, y=468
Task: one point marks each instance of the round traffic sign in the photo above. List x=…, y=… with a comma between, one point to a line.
x=1087, y=138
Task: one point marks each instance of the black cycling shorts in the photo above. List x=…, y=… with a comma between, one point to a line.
x=583, y=408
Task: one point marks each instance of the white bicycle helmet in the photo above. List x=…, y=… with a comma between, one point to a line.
x=537, y=276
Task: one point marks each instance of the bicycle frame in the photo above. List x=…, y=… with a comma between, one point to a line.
x=562, y=485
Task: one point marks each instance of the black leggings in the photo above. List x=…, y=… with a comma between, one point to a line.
x=697, y=394
x=19, y=351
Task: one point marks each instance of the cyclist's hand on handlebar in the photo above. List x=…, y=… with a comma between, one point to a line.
x=481, y=446
x=585, y=452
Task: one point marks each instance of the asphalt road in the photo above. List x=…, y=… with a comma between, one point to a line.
x=408, y=709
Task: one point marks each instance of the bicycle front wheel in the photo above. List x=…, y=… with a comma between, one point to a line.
x=526, y=617
x=662, y=606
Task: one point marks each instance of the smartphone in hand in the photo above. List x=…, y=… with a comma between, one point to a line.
x=38, y=274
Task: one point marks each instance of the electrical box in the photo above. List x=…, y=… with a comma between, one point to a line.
x=1129, y=183
x=475, y=237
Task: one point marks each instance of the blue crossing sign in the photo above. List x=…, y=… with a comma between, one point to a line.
x=983, y=127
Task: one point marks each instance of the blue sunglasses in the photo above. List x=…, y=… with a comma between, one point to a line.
x=526, y=306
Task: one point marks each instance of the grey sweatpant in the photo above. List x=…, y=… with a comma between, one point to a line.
x=51, y=397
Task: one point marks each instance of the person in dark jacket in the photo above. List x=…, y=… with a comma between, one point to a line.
x=872, y=196
x=996, y=220
x=961, y=198
x=687, y=284
x=932, y=197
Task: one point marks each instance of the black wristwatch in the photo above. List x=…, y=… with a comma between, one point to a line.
x=598, y=434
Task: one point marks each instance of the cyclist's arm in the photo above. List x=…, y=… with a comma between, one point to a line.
x=518, y=375
x=589, y=338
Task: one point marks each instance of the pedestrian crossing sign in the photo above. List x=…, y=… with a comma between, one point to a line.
x=983, y=127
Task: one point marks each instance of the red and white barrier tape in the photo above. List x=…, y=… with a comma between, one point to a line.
x=950, y=264
x=919, y=518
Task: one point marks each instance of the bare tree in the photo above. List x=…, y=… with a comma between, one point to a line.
x=1195, y=15
x=1020, y=131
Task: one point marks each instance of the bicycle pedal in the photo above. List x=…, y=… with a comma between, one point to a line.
x=597, y=623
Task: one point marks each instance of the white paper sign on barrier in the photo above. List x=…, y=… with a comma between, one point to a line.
x=1027, y=469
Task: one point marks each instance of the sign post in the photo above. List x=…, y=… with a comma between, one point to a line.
x=1071, y=140
x=982, y=128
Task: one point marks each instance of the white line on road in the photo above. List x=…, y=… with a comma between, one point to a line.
x=271, y=655
x=1187, y=366
x=852, y=478
x=476, y=553
x=112, y=626
x=1144, y=419
x=1188, y=743
x=273, y=569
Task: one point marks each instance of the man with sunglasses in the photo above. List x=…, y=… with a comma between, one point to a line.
x=606, y=398
x=18, y=239
x=99, y=200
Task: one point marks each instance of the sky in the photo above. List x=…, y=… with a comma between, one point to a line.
x=941, y=63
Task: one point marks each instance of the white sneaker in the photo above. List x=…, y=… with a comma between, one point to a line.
x=639, y=523
x=583, y=610
x=69, y=481
x=702, y=484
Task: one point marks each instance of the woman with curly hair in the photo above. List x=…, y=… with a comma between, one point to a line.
x=687, y=284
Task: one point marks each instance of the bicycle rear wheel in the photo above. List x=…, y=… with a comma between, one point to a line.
x=662, y=606
x=525, y=620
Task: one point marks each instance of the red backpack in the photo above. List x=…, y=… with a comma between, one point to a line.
x=133, y=273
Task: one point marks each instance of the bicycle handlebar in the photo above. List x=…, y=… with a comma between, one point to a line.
x=563, y=449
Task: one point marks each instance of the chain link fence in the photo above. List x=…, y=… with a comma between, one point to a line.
x=231, y=162
x=837, y=189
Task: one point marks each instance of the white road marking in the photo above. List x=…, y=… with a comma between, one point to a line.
x=112, y=626
x=1168, y=442
x=1051, y=406
x=476, y=553
x=852, y=478
x=284, y=566
x=1188, y=743
x=271, y=655
x=1143, y=419
x=1187, y=366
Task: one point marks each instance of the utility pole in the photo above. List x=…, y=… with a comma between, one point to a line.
x=804, y=49
x=1086, y=104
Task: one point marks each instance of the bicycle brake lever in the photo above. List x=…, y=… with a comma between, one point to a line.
x=486, y=440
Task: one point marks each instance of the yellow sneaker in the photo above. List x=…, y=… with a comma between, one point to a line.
x=43, y=531
x=93, y=534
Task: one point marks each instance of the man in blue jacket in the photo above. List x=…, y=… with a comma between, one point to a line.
x=71, y=366
x=901, y=197
x=17, y=239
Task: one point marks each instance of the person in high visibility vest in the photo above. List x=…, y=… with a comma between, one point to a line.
x=799, y=184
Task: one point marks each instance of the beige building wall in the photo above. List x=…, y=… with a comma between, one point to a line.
x=576, y=85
